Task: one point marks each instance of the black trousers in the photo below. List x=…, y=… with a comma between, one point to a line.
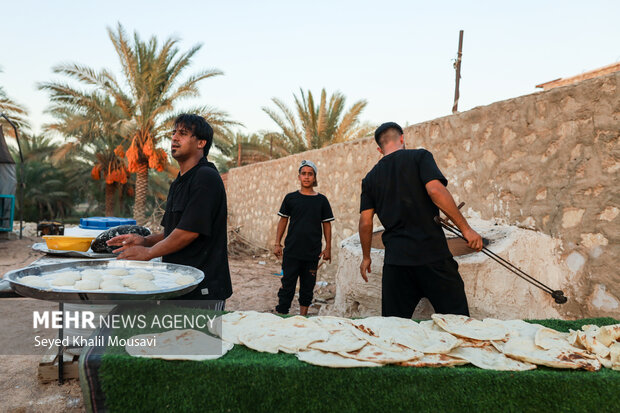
x=404, y=286
x=292, y=269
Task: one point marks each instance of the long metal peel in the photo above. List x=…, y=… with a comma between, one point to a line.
x=558, y=295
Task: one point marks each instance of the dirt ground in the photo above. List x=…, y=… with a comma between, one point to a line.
x=255, y=281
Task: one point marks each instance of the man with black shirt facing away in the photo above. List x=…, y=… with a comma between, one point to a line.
x=406, y=189
x=195, y=218
x=308, y=211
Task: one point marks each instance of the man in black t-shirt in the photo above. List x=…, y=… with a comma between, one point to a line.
x=308, y=211
x=406, y=189
x=195, y=218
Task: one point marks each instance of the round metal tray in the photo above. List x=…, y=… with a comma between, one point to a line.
x=55, y=295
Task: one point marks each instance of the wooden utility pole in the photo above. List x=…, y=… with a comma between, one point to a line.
x=457, y=66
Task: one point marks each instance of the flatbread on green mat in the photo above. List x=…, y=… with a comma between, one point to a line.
x=245, y=380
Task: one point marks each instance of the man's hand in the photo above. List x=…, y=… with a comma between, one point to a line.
x=474, y=240
x=277, y=250
x=443, y=199
x=136, y=252
x=365, y=268
x=326, y=254
x=365, y=231
x=126, y=241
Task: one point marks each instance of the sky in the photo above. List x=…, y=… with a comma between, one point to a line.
x=397, y=55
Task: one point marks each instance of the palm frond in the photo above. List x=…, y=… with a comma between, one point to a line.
x=321, y=124
x=14, y=111
x=349, y=120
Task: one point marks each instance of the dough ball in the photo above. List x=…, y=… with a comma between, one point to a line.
x=139, y=284
x=146, y=275
x=128, y=281
x=90, y=272
x=87, y=285
x=117, y=271
x=74, y=275
x=110, y=277
x=34, y=281
x=62, y=280
x=115, y=280
x=146, y=285
x=112, y=286
x=93, y=277
x=184, y=279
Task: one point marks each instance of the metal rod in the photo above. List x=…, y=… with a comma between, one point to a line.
x=61, y=348
x=501, y=261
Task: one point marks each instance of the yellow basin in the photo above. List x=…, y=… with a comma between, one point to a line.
x=67, y=243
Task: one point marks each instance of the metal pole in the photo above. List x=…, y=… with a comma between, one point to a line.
x=21, y=178
x=61, y=347
x=457, y=66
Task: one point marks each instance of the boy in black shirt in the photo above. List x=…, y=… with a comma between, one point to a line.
x=406, y=189
x=308, y=211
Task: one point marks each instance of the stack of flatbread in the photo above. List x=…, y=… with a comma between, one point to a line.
x=602, y=341
x=446, y=340
x=178, y=345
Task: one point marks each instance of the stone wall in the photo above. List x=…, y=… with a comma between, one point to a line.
x=548, y=162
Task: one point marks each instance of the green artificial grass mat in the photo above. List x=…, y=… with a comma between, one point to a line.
x=248, y=381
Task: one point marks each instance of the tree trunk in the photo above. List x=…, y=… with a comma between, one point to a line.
x=119, y=200
x=239, y=154
x=142, y=184
x=110, y=190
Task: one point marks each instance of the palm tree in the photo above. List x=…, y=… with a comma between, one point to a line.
x=318, y=125
x=14, y=111
x=51, y=185
x=238, y=149
x=147, y=94
x=95, y=127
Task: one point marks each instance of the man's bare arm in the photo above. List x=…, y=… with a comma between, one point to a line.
x=277, y=250
x=153, y=239
x=129, y=240
x=177, y=240
x=365, y=231
x=444, y=201
x=326, y=254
